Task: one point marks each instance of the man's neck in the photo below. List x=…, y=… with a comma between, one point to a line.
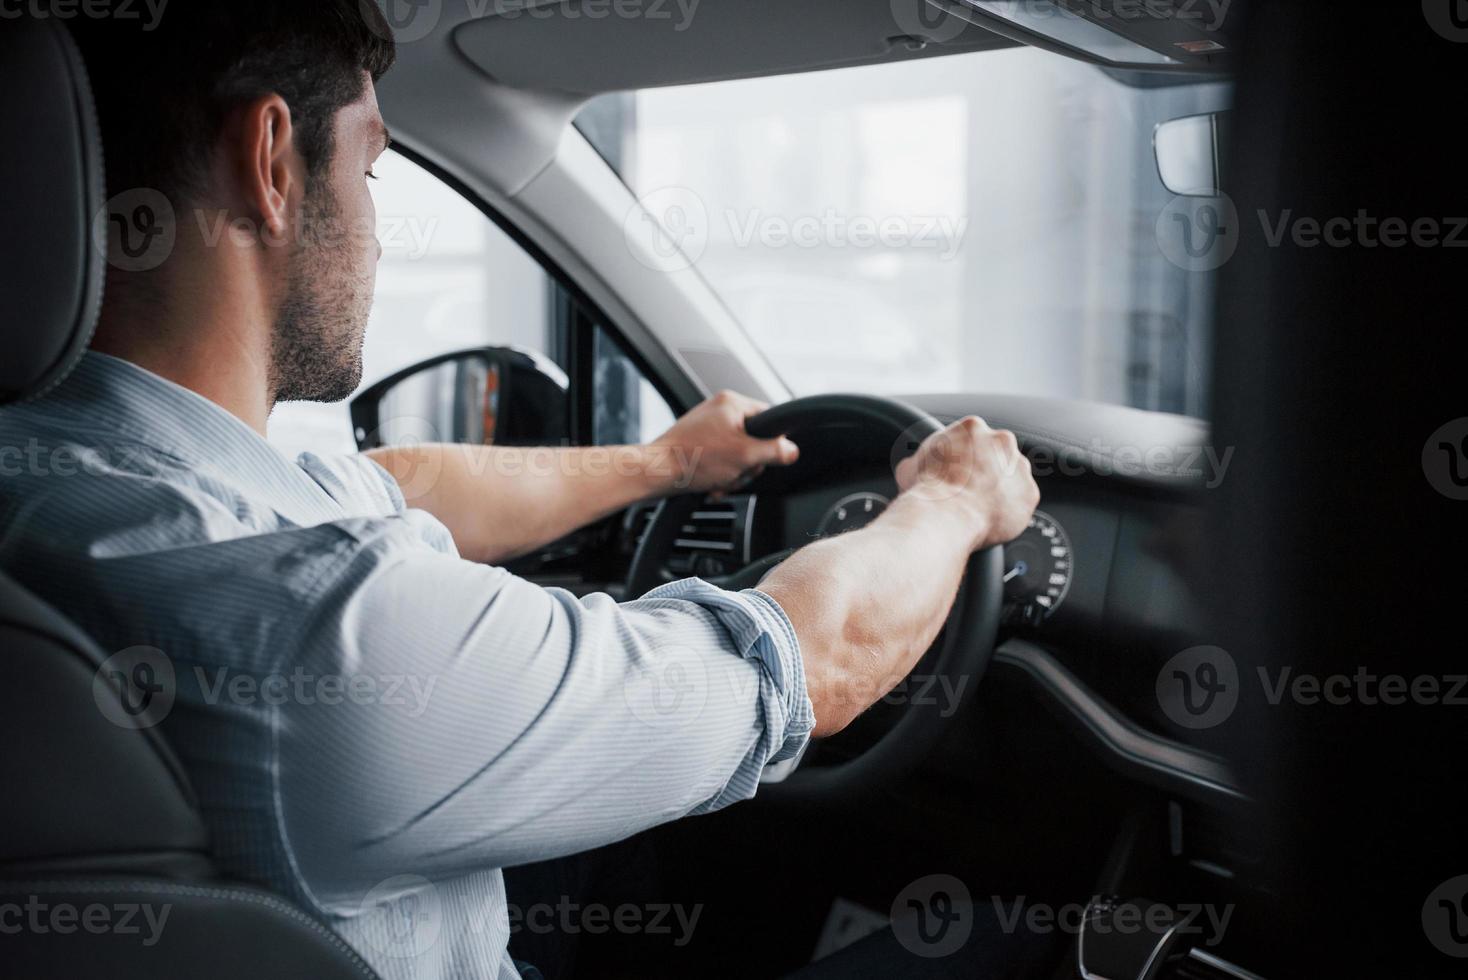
x=213, y=346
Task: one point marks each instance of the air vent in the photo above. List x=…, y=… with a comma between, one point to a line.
x=715, y=539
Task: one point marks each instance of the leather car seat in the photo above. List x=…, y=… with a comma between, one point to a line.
x=104, y=858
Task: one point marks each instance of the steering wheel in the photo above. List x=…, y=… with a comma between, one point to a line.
x=963, y=649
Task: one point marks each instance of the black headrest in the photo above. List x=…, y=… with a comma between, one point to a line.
x=51, y=183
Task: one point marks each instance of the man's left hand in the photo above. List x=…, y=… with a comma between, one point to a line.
x=710, y=451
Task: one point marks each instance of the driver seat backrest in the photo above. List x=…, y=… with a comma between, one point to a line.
x=104, y=862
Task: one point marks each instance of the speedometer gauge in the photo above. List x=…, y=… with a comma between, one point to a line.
x=851, y=512
x=1037, y=567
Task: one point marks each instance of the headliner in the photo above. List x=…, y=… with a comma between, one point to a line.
x=583, y=47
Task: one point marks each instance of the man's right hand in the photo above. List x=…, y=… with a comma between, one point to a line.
x=866, y=604
x=978, y=471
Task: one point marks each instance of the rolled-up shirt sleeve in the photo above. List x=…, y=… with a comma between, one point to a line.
x=498, y=722
x=760, y=631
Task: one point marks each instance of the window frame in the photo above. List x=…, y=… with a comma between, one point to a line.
x=575, y=316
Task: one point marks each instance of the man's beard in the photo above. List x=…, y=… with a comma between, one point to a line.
x=316, y=344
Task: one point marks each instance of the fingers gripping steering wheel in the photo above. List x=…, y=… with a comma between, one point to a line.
x=963, y=649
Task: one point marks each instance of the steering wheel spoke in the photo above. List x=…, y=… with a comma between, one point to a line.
x=750, y=575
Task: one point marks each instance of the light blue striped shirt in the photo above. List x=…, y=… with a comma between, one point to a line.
x=375, y=726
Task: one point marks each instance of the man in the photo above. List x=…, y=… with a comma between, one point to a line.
x=374, y=717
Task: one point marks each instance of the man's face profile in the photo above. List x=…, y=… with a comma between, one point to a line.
x=318, y=331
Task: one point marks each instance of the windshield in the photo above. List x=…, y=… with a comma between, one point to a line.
x=982, y=222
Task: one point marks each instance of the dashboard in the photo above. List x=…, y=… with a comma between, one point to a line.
x=1092, y=561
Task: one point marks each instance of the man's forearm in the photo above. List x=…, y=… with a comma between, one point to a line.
x=500, y=502
x=867, y=604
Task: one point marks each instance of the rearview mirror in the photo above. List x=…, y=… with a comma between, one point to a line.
x=502, y=396
x=1189, y=153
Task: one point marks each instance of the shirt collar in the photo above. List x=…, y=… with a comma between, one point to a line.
x=151, y=411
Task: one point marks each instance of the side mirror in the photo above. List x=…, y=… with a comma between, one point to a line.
x=502, y=396
x=1190, y=151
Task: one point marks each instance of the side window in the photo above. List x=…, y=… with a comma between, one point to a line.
x=448, y=279
x=627, y=408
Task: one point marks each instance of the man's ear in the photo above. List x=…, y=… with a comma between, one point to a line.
x=270, y=167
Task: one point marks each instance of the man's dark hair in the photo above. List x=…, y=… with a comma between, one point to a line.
x=162, y=93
